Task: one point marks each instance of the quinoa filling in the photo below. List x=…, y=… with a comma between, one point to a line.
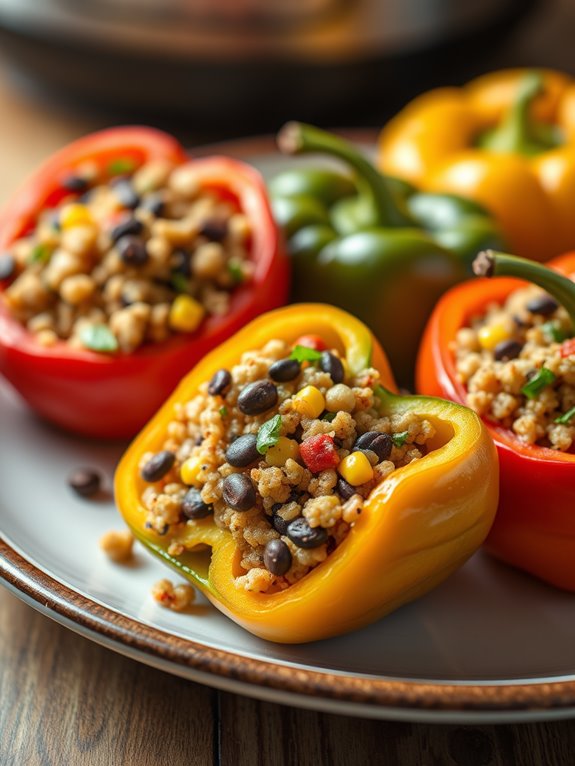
x=282, y=451
x=131, y=255
x=517, y=362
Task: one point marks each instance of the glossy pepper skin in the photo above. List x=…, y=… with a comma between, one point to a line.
x=415, y=529
x=111, y=396
x=506, y=140
x=373, y=245
x=535, y=525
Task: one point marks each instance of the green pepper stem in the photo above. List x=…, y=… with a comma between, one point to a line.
x=298, y=138
x=490, y=263
x=519, y=133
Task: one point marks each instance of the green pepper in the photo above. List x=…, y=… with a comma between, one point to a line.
x=371, y=244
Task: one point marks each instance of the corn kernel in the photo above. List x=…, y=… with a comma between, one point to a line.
x=356, y=469
x=186, y=314
x=190, y=471
x=282, y=451
x=490, y=335
x=75, y=215
x=309, y=402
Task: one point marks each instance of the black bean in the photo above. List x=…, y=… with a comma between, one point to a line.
x=257, y=397
x=279, y=523
x=344, y=489
x=129, y=226
x=304, y=536
x=239, y=492
x=125, y=193
x=332, y=365
x=7, y=266
x=154, y=203
x=506, y=350
x=193, y=507
x=375, y=441
x=85, y=482
x=544, y=305
x=76, y=184
x=132, y=250
x=158, y=466
x=285, y=370
x=214, y=229
x=220, y=383
x=182, y=262
x=243, y=451
x=277, y=557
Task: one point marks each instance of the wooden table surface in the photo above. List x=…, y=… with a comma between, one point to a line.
x=65, y=700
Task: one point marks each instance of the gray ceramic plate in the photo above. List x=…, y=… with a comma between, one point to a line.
x=490, y=644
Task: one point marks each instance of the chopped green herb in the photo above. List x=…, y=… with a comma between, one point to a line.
x=329, y=416
x=269, y=434
x=121, y=165
x=40, y=254
x=99, y=337
x=566, y=417
x=305, y=354
x=554, y=332
x=543, y=378
x=399, y=438
x=236, y=272
x=224, y=412
x=179, y=282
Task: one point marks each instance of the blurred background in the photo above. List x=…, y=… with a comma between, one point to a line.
x=215, y=69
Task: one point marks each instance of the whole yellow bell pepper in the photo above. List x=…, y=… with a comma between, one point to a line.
x=416, y=527
x=506, y=140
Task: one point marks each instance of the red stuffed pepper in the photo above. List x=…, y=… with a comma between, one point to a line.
x=122, y=262
x=505, y=347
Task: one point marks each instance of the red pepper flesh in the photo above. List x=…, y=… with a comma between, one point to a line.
x=319, y=453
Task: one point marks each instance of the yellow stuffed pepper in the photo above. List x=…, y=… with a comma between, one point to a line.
x=287, y=481
x=506, y=140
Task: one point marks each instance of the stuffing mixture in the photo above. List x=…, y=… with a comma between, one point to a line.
x=281, y=450
x=518, y=365
x=129, y=256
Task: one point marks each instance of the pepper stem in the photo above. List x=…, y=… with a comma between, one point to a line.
x=298, y=138
x=519, y=133
x=490, y=263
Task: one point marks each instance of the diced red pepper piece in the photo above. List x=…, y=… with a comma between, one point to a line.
x=568, y=347
x=311, y=341
x=319, y=453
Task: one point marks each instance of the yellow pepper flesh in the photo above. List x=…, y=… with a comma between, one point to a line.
x=432, y=142
x=416, y=527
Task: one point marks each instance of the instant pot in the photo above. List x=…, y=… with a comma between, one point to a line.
x=242, y=65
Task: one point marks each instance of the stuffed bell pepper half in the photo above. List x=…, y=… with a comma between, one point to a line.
x=122, y=262
x=505, y=347
x=288, y=481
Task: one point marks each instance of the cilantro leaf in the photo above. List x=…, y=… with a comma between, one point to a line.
x=329, y=416
x=40, y=254
x=236, y=272
x=179, y=282
x=554, y=332
x=305, y=354
x=224, y=412
x=566, y=417
x=542, y=378
x=399, y=438
x=120, y=166
x=99, y=337
x=269, y=434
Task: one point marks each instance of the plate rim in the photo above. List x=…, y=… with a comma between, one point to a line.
x=372, y=697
